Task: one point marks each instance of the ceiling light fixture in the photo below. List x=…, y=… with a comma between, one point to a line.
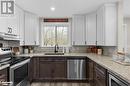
x=52, y=8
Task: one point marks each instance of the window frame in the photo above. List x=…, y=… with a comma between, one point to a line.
x=56, y=24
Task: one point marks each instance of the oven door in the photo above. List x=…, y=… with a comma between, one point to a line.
x=19, y=73
x=114, y=81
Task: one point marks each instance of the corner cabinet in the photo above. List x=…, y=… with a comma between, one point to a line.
x=107, y=25
x=90, y=71
x=31, y=28
x=91, y=28
x=100, y=75
x=78, y=30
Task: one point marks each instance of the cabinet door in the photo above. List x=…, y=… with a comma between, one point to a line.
x=36, y=29
x=100, y=28
x=3, y=76
x=46, y=69
x=29, y=31
x=78, y=32
x=52, y=68
x=107, y=25
x=34, y=68
x=60, y=70
x=91, y=29
x=21, y=25
x=3, y=24
x=99, y=76
x=90, y=71
x=110, y=25
x=99, y=79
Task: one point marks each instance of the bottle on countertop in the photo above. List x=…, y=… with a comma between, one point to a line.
x=99, y=51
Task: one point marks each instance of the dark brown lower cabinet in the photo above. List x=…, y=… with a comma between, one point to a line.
x=60, y=70
x=100, y=75
x=34, y=69
x=55, y=68
x=52, y=69
x=96, y=74
x=3, y=76
x=90, y=71
x=48, y=68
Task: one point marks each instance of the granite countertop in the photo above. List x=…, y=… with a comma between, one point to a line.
x=105, y=61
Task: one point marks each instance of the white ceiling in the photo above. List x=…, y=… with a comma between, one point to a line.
x=126, y=6
x=64, y=8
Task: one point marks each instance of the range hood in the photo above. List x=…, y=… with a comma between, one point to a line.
x=6, y=36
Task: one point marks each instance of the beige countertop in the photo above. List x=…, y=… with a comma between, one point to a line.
x=105, y=61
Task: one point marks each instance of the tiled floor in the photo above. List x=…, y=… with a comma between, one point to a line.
x=60, y=84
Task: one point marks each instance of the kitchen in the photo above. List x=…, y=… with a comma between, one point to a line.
x=64, y=43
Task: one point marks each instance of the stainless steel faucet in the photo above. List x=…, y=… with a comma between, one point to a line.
x=56, y=48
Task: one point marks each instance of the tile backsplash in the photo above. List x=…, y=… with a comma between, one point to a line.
x=9, y=43
x=73, y=49
x=108, y=51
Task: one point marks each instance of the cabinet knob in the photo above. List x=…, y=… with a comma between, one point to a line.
x=96, y=42
x=98, y=77
x=85, y=42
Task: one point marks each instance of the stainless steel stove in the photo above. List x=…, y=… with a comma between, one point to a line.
x=18, y=67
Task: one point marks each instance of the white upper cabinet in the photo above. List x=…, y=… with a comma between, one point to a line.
x=78, y=30
x=91, y=29
x=100, y=24
x=37, y=33
x=107, y=25
x=31, y=28
x=28, y=33
x=21, y=25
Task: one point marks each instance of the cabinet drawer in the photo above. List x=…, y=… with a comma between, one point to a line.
x=100, y=79
x=100, y=69
x=100, y=75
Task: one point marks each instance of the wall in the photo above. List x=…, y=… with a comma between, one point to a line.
x=127, y=22
x=120, y=27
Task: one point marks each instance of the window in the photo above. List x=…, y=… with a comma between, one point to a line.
x=55, y=34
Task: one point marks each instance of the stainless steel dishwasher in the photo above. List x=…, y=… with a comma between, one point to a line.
x=76, y=69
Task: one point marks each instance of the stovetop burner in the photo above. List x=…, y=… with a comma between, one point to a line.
x=16, y=60
x=6, y=57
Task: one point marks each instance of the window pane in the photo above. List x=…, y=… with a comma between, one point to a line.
x=49, y=35
x=62, y=35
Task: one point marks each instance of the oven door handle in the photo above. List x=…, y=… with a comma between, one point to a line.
x=20, y=64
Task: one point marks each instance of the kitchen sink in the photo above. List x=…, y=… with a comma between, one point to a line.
x=54, y=53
